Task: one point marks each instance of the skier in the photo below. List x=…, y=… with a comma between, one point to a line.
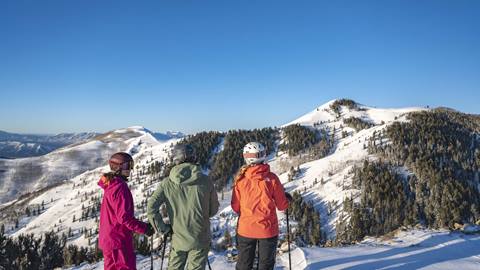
x=256, y=194
x=191, y=200
x=117, y=220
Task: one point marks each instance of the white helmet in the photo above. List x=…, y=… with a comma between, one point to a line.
x=254, y=153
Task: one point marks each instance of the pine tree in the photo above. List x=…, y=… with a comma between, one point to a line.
x=70, y=255
x=51, y=252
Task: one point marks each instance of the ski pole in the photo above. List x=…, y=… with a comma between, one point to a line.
x=151, y=252
x=165, y=238
x=288, y=242
x=208, y=263
x=258, y=254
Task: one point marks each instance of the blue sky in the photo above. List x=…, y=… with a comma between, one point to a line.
x=216, y=65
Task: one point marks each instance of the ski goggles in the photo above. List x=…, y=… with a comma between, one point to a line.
x=125, y=166
x=254, y=155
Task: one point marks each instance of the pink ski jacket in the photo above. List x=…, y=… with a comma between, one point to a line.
x=117, y=220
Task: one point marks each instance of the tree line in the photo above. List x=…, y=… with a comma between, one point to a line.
x=49, y=251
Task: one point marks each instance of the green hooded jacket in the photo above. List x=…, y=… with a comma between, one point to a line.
x=191, y=200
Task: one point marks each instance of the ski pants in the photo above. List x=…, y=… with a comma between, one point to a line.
x=119, y=259
x=267, y=249
x=194, y=259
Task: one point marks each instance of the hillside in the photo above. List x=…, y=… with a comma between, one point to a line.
x=340, y=161
x=22, y=176
x=24, y=145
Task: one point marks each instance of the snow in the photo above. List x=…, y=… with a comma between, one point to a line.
x=24, y=145
x=322, y=113
x=373, y=115
x=65, y=201
x=411, y=249
x=415, y=249
x=335, y=169
x=24, y=175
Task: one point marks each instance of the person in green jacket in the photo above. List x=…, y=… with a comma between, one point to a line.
x=190, y=200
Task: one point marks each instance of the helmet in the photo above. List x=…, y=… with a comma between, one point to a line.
x=121, y=161
x=183, y=153
x=254, y=153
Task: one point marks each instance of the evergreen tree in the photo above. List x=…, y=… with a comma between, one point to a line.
x=51, y=251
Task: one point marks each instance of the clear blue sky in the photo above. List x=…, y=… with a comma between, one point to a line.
x=216, y=65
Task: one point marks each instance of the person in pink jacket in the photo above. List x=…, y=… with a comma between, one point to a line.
x=117, y=220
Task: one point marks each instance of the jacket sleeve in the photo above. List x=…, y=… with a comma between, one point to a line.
x=214, y=204
x=279, y=195
x=235, y=200
x=153, y=209
x=124, y=211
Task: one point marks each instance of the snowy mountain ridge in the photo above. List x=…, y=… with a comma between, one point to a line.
x=14, y=145
x=139, y=141
x=326, y=182
x=324, y=113
x=24, y=175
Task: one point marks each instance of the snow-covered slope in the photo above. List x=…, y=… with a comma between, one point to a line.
x=325, y=114
x=25, y=175
x=407, y=250
x=23, y=145
x=416, y=249
x=335, y=168
x=82, y=163
x=65, y=203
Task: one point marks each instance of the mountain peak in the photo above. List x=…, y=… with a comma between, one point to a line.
x=342, y=108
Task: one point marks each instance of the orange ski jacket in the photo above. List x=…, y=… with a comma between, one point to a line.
x=256, y=196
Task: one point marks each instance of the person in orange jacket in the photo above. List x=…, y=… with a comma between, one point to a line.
x=257, y=193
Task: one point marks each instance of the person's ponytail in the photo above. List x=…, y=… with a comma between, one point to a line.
x=108, y=177
x=240, y=174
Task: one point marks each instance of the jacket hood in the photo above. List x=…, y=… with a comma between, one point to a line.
x=185, y=174
x=258, y=172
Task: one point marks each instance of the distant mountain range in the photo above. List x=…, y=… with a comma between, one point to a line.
x=13, y=145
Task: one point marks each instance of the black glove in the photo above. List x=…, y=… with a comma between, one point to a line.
x=289, y=197
x=168, y=229
x=150, y=230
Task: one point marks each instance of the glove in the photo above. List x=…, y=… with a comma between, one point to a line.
x=168, y=229
x=150, y=230
x=289, y=197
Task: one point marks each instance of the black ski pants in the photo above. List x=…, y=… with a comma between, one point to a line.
x=267, y=249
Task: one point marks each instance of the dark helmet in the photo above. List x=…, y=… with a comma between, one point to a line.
x=120, y=161
x=183, y=153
